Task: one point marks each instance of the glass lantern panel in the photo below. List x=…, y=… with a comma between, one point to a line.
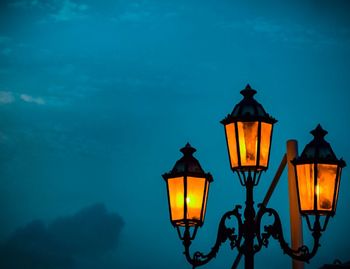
x=232, y=143
x=265, y=141
x=176, y=197
x=326, y=176
x=305, y=176
x=194, y=199
x=248, y=142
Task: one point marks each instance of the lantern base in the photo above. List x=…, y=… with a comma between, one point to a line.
x=319, y=221
x=187, y=232
x=245, y=176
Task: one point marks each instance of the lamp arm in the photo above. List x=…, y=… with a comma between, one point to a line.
x=275, y=230
x=224, y=233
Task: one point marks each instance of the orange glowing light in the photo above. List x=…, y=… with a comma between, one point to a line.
x=248, y=142
x=195, y=193
x=248, y=138
x=176, y=197
x=322, y=188
x=266, y=130
x=326, y=177
x=231, y=143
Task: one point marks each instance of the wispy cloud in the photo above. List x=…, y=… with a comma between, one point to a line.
x=287, y=32
x=6, y=97
x=6, y=51
x=70, y=10
x=30, y=99
x=144, y=12
x=9, y=97
x=24, y=3
x=59, y=10
x=4, y=45
x=284, y=32
x=134, y=16
x=4, y=39
x=3, y=137
x=260, y=25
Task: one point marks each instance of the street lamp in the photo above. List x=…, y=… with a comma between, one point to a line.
x=188, y=187
x=248, y=131
x=318, y=173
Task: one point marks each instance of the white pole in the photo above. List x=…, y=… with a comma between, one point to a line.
x=296, y=229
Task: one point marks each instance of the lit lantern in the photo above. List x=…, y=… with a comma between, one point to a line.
x=318, y=173
x=188, y=187
x=248, y=132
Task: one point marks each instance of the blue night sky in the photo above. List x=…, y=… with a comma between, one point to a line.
x=97, y=97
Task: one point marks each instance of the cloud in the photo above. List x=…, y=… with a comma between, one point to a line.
x=287, y=32
x=4, y=43
x=24, y=3
x=6, y=97
x=58, y=10
x=4, y=39
x=135, y=16
x=63, y=243
x=91, y=231
x=70, y=10
x=30, y=99
x=6, y=51
x=264, y=26
x=3, y=137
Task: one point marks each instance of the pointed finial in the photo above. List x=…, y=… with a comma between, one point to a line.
x=319, y=132
x=188, y=149
x=248, y=92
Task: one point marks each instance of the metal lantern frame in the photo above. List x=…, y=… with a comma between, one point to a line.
x=318, y=152
x=248, y=111
x=185, y=168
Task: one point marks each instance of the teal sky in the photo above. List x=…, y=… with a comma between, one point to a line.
x=97, y=97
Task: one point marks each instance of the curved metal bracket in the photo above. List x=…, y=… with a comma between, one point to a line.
x=303, y=253
x=224, y=233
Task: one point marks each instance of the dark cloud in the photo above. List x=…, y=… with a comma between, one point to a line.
x=63, y=243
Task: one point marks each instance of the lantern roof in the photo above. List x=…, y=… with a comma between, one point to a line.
x=319, y=150
x=248, y=109
x=188, y=165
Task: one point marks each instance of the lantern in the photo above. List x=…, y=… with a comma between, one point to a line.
x=318, y=173
x=188, y=187
x=248, y=132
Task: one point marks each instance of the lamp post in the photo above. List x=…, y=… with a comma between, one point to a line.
x=248, y=131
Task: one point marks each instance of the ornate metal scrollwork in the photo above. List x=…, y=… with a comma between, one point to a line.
x=224, y=233
x=249, y=230
x=275, y=231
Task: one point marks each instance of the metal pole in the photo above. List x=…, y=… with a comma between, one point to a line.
x=296, y=231
x=266, y=199
x=249, y=225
